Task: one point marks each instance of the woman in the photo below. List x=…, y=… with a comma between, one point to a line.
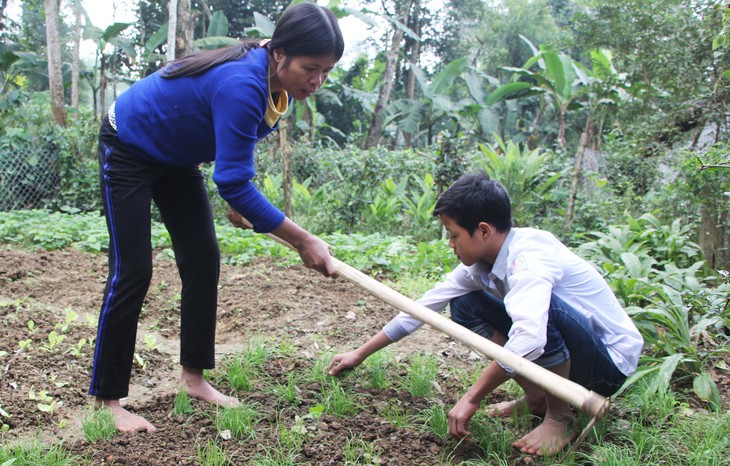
x=210, y=106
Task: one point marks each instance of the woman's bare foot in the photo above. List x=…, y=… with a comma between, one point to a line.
x=548, y=438
x=195, y=385
x=123, y=419
x=518, y=407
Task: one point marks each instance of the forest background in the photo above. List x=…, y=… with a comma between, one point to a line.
x=606, y=120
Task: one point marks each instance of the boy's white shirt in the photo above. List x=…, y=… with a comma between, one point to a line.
x=532, y=264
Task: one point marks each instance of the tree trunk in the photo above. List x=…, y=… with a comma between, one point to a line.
x=286, y=174
x=414, y=58
x=713, y=234
x=55, y=74
x=103, y=82
x=585, y=139
x=561, y=126
x=376, y=122
x=172, y=29
x=76, y=63
x=185, y=28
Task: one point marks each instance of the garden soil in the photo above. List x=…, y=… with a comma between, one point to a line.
x=49, y=305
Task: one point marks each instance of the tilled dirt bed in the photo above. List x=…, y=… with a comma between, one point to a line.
x=49, y=305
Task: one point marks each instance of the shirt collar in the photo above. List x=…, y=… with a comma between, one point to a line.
x=499, y=269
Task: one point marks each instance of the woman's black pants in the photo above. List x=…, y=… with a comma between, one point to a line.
x=129, y=184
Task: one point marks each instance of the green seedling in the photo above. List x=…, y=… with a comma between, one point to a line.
x=99, y=425
x=358, y=451
x=91, y=320
x=375, y=366
x=289, y=392
x=292, y=438
x=150, y=342
x=23, y=344
x=31, y=326
x=212, y=455
x=237, y=422
x=54, y=339
x=490, y=434
x=435, y=420
x=421, y=374
x=71, y=316
x=275, y=457
x=240, y=374
x=140, y=361
x=256, y=353
x=318, y=372
x=45, y=403
x=182, y=404
x=337, y=401
x=78, y=349
x=4, y=427
x=37, y=453
x=395, y=415
x=286, y=347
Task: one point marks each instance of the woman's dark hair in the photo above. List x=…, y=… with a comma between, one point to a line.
x=303, y=29
x=476, y=198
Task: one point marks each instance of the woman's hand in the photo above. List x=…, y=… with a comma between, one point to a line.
x=317, y=255
x=237, y=219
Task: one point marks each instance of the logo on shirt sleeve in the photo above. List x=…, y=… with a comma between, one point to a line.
x=518, y=265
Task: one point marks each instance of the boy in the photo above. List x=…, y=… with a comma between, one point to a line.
x=521, y=288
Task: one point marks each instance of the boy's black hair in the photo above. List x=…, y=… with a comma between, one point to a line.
x=476, y=198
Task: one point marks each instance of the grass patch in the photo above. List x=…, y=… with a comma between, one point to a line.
x=99, y=425
x=421, y=374
x=35, y=453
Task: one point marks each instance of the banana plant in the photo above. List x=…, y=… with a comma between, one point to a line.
x=415, y=116
x=217, y=32
x=524, y=173
x=556, y=79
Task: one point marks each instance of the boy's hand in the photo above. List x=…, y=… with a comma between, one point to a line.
x=460, y=416
x=344, y=361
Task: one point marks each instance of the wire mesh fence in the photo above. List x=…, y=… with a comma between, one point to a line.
x=28, y=178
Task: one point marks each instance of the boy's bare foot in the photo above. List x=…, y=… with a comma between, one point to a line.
x=519, y=407
x=548, y=438
x=195, y=385
x=123, y=419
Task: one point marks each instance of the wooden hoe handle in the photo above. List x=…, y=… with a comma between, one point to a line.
x=567, y=390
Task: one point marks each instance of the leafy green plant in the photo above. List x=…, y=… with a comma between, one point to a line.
x=45, y=403
x=419, y=205
x=384, y=212
x=54, y=339
x=525, y=174
x=99, y=425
